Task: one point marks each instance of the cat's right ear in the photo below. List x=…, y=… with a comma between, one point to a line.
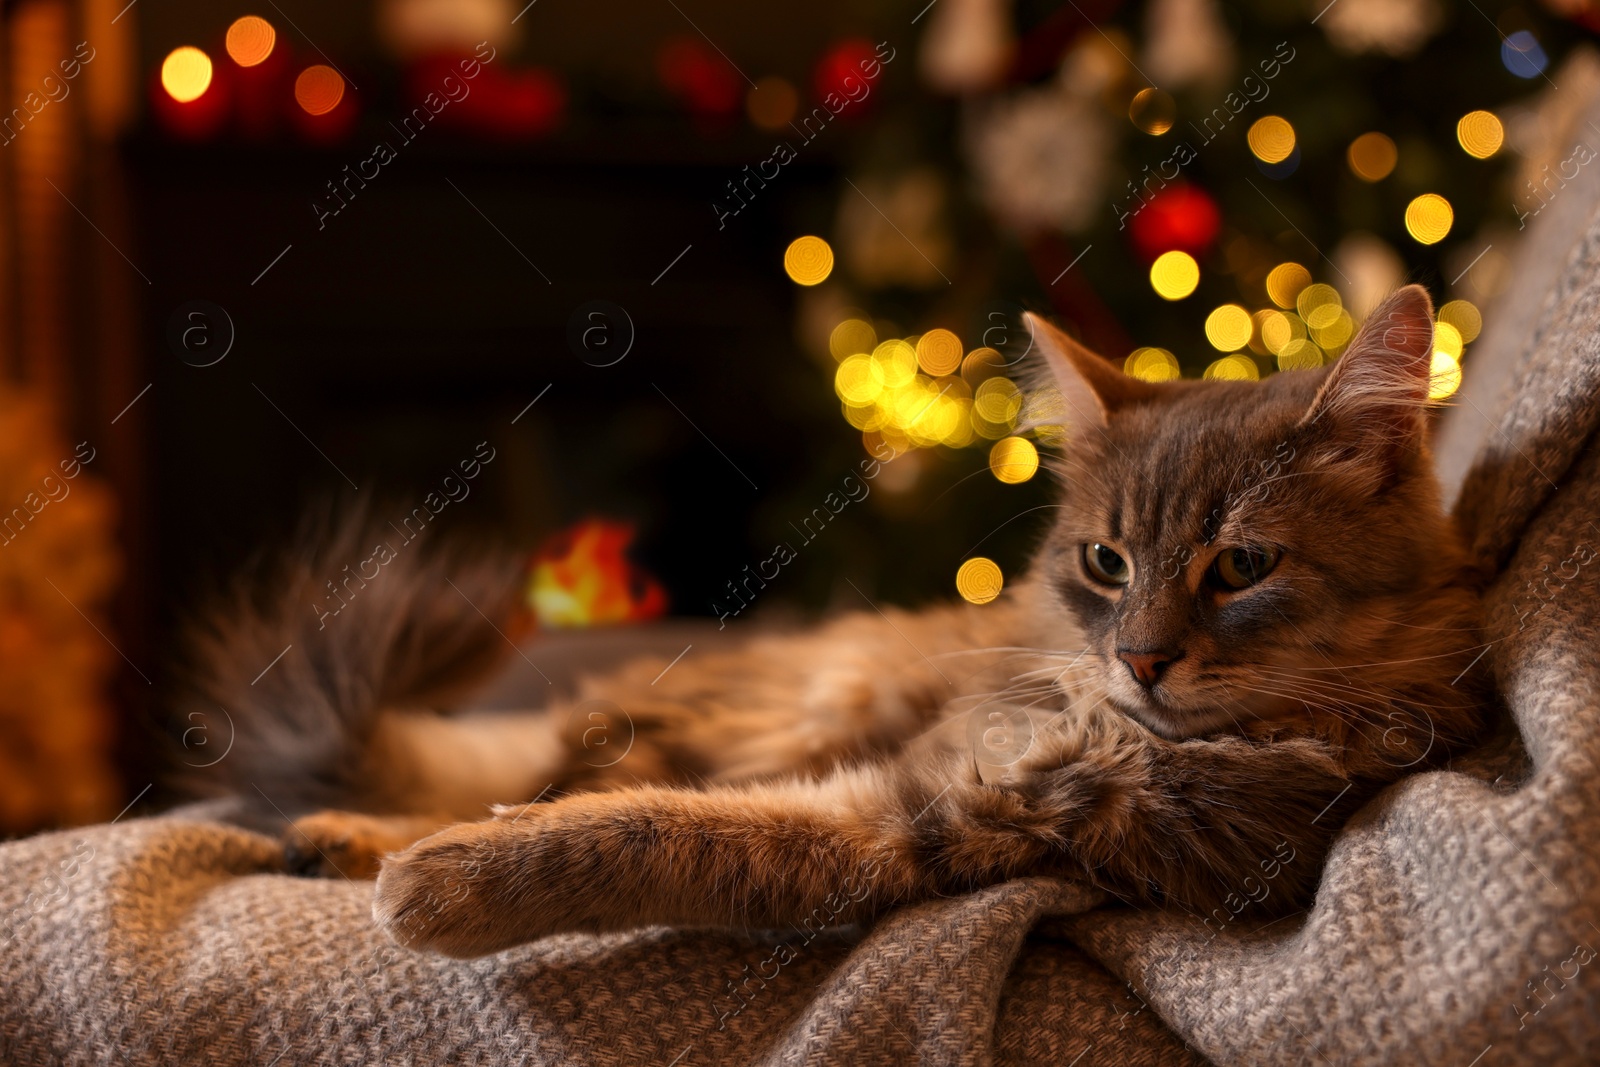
x=1092, y=388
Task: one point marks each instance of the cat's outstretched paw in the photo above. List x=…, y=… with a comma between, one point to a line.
x=448, y=894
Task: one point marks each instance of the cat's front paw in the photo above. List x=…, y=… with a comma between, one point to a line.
x=331, y=844
x=455, y=893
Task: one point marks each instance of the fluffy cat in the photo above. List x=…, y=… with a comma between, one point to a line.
x=1251, y=613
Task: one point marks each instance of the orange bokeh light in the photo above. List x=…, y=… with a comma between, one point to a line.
x=250, y=40
x=318, y=89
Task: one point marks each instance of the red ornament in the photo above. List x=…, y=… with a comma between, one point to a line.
x=1180, y=217
x=700, y=77
x=484, y=100
x=524, y=103
x=847, y=70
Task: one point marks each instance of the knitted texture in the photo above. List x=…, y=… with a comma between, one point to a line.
x=178, y=940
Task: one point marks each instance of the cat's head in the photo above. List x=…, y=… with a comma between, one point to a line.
x=1240, y=551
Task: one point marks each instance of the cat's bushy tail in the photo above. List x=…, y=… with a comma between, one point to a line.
x=290, y=669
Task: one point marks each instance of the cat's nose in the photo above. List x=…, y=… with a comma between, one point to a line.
x=1147, y=667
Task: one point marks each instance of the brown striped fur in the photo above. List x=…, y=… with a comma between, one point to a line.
x=888, y=758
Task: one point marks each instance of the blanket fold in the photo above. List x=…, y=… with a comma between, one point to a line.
x=179, y=939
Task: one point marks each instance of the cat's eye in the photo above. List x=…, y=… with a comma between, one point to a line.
x=1240, y=568
x=1105, y=565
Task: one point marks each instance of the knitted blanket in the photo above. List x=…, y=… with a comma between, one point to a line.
x=1455, y=923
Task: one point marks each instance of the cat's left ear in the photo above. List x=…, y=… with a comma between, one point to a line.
x=1374, y=401
x=1091, y=387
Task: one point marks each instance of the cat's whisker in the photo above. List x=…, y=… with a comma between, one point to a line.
x=1398, y=662
x=995, y=648
x=1344, y=701
x=1328, y=685
x=1229, y=712
x=1384, y=692
x=1334, y=709
x=1000, y=663
x=1368, y=699
x=1309, y=698
x=1417, y=625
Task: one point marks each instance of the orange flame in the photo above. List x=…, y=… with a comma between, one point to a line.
x=582, y=577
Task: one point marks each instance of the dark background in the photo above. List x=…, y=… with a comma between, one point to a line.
x=408, y=330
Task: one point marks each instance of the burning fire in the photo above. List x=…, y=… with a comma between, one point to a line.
x=582, y=577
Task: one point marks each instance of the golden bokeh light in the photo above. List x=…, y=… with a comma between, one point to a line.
x=953, y=385
x=939, y=352
x=1465, y=317
x=1310, y=300
x=1152, y=365
x=1013, y=460
x=997, y=400
x=771, y=103
x=1228, y=328
x=1271, y=138
x=1321, y=316
x=1153, y=111
x=1331, y=326
x=1299, y=354
x=250, y=40
x=908, y=407
x=1372, y=156
x=982, y=364
x=1480, y=134
x=1276, y=331
x=883, y=394
x=863, y=416
x=979, y=580
x=929, y=416
x=1234, y=369
x=1445, y=377
x=856, y=382
x=1174, y=275
x=852, y=336
x=1428, y=218
x=990, y=431
x=808, y=260
x=186, y=74
x=318, y=89
x=955, y=423
x=1257, y=320
x=1447, y=339
x=894, y=362
x=1285, y=281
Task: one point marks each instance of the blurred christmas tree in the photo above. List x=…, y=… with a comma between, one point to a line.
x=1195, y=188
